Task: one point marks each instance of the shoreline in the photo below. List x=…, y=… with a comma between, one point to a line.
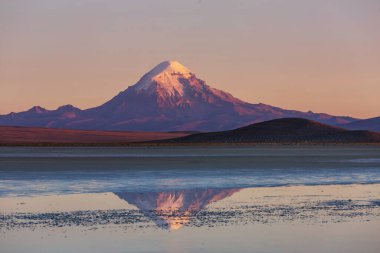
x=263, y=188
x=173, y=144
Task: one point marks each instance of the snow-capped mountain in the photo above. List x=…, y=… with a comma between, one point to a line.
x=170, y=97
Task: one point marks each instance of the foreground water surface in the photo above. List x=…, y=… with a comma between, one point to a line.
x=42, y=171
x=190, y=199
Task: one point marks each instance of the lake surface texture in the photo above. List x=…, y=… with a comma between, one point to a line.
x=190, y=199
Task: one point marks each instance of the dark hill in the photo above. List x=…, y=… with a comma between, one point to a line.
x=286, y=130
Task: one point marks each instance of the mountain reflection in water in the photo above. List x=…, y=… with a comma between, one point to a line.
x=173, y=209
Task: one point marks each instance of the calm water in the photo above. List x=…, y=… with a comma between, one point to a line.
x=43, y=171
x=190, y=199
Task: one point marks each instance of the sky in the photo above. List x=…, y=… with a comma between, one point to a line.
x=322, y=56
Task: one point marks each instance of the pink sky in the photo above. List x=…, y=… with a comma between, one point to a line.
x=322, y=55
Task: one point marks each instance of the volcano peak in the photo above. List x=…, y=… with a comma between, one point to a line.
x=170, y=66
x=166, y=76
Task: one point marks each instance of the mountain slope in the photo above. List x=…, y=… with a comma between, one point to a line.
x=168, y=98
x=286, y=130
x=372, y=124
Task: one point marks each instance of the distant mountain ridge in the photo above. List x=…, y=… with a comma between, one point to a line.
x=168, y=98
x=372, y=124
x=285, y=130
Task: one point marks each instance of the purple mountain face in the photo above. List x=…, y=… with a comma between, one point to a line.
x=372, y=124
x=168, y=98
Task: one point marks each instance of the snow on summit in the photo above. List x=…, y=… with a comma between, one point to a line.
x=165, y=78
x=169, y=67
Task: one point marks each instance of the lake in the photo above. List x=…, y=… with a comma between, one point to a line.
x=190, y=199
